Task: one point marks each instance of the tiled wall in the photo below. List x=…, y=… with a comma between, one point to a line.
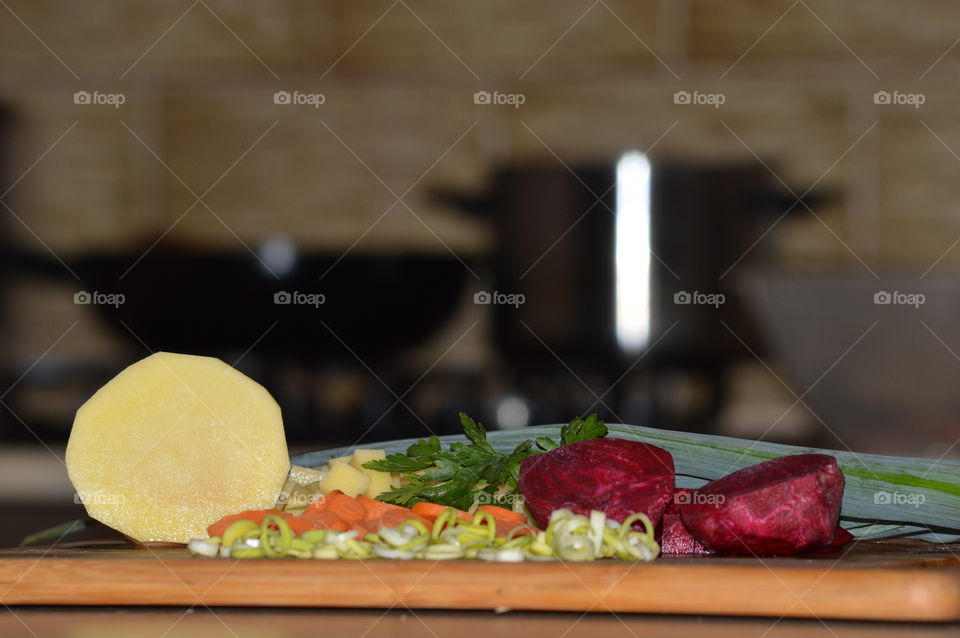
x=798, y=81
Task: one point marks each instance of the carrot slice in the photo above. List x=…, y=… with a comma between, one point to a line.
x=396, y=519
x=346, y=508
x=376, y=509
x=325, y=520
x=362, y=528
x=322, y=502
x=299, y=525
x=501, y=512
x=431, y=511
x=257, y=516
x=505, y=527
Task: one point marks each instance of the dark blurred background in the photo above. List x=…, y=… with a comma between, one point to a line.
x=728, y=217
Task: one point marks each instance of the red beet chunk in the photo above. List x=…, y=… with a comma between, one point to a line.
x=614, y=476
x=675, y=538
x=788, y=505
x=840, y=538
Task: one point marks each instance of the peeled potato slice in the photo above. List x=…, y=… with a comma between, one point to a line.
x=174, y=443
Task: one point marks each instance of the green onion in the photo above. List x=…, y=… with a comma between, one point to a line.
x=568, y=537
x=55, y=534
x=268, y=536
x=240, y=530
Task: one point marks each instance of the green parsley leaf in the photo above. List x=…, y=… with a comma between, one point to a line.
x=464, y=472
x=582, y=430
x=399, y=463
x=546, y=444
x=475, y=432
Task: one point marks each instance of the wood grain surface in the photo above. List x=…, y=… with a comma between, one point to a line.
x=872, y=581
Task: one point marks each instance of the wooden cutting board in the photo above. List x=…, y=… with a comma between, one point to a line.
x=892, y=580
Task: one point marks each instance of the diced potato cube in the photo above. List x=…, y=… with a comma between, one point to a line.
x=364, y=456
x=379, y=483
x=345, y=478
x=340, y=460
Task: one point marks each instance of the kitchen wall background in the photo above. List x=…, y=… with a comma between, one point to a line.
x=859, y=99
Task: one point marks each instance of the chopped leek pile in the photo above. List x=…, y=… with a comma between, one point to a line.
x=568, y=537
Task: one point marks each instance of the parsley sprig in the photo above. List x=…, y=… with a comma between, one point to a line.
x=454, y=476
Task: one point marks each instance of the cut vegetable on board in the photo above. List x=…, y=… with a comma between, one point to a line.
x=614, y=476
x=173, y=443
x=786, y=505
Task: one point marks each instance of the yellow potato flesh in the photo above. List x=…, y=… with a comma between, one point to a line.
x=174, y=443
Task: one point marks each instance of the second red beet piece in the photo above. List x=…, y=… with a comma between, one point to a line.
x=615, y=476
x=675, y=538
x=840, y=538
x=788, y=505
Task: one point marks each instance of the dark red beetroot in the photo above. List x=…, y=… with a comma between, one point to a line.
x=840, y=538
x=675, y=538
x=784, y=506
x=615, y=476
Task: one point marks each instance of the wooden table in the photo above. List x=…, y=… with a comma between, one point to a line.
x=59, y=622
x=879, y=581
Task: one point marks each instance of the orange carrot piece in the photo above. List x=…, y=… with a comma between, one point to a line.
x=257, y=516
x=299, y=525
x=396, y=518
x=322, y=502
x=362, y=528
x=346, y=508
x=431, y=511
x=324, y=519
x=318, y=505
x=376, y=509
x=505, y=527
x=501, y=512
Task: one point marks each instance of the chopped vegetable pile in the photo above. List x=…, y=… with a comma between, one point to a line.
x=568, y=537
